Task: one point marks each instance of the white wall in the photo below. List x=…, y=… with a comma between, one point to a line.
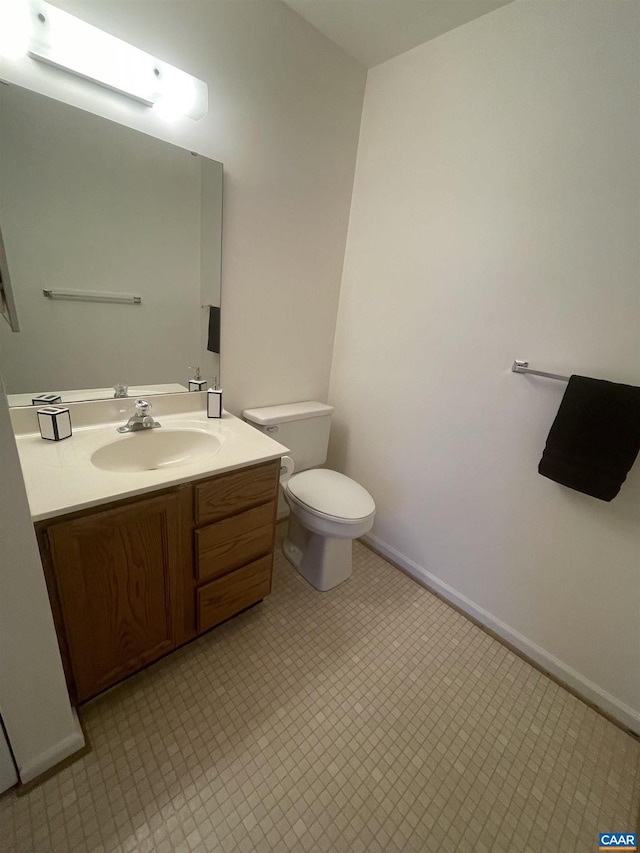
x=42, y=727
x=284, y=113
x=496, y=216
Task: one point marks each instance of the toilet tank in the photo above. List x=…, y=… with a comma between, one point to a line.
x=302, y=427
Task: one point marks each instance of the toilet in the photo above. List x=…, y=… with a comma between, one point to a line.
x=327, y=510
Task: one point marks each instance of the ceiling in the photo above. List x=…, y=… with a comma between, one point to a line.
x=372, y=31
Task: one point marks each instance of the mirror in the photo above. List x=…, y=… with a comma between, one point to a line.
x=124, y=232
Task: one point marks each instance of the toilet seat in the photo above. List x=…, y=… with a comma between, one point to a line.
x=331, y=495
x=326, y=525
x=326, y=493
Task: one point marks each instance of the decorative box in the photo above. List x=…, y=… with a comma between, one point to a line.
x=54, y=422
x=46, y=400
x=214, y=403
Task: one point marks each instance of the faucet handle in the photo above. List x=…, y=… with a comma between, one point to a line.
x=142, y=407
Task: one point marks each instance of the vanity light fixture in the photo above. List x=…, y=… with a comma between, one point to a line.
x=64, y=41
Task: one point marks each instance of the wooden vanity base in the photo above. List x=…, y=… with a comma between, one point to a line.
x=133, y=580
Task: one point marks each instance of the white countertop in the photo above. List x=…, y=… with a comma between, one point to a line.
x=60, y=477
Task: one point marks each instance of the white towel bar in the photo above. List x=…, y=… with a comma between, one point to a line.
x=523, y=367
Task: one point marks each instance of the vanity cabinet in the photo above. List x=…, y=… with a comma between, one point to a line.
x=131, y=581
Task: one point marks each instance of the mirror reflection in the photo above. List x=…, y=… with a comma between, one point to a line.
x=113, y=242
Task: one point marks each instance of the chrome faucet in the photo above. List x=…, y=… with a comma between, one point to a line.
x=141, y=419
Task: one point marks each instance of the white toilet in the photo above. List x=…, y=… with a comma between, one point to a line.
x=327, y=509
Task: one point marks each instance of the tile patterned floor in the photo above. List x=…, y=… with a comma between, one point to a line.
x=371, y=718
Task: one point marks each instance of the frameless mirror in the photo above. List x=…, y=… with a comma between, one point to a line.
x=113, y=242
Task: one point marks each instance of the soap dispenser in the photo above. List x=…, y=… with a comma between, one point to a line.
x=197, y=383
x=214, y=401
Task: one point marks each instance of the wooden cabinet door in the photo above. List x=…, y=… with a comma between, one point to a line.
x=114, y=572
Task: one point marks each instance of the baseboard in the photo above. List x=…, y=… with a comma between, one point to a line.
x=48, y=760
x=576, y=683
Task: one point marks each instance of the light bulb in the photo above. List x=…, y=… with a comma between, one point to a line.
x=176, y=94
x=15, y=28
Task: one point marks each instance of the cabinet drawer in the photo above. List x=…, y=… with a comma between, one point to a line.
x=223, y=598
x=232, y=493
x=233, y=542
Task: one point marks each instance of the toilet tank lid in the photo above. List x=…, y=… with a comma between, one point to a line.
x=287, y=412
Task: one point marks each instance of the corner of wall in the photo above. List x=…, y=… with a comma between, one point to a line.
x=42, y=727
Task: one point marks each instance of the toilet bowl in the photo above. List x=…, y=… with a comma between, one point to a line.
x=327, y=510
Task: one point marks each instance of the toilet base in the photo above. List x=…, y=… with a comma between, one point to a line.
x=323, y=561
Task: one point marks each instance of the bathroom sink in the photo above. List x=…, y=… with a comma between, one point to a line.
x=150, y=450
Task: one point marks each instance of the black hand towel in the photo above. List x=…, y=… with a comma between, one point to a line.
x=595, y=437
x=213, y=344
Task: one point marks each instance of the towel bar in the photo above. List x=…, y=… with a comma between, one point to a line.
x=92, y=296
x=523, y=367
